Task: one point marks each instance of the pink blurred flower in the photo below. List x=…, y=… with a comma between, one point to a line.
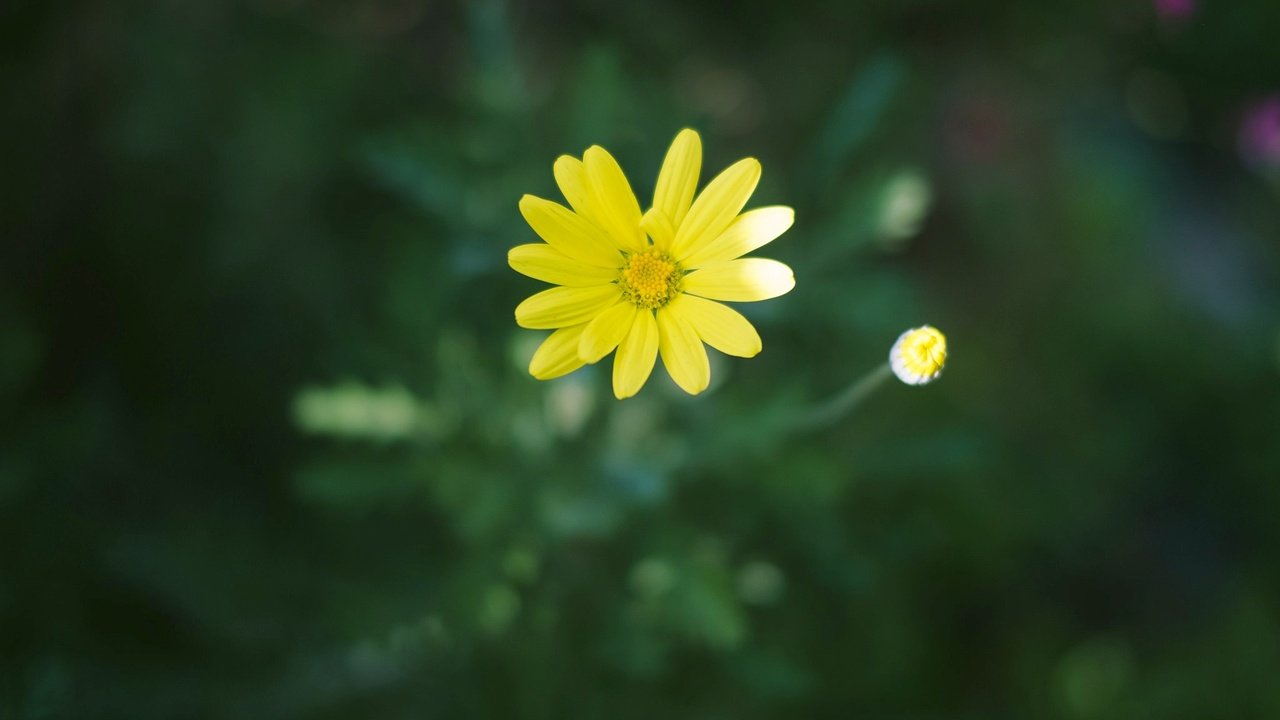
x=1175, y=9
x=1259, y=137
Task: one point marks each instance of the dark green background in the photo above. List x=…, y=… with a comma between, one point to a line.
x=270, y=450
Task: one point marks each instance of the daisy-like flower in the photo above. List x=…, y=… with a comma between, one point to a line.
x=917, y=358
x=647, y=283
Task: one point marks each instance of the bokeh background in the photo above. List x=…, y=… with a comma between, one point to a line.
x=270, y=449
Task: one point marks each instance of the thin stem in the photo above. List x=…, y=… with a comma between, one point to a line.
x=825, y=413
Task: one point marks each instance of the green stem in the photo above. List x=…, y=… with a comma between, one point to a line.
x=825, y=413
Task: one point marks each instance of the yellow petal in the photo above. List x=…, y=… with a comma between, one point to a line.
x=612, y=201
x=719, y=326
x=682, y=352
x=564, y=306
x=569, y=233
x=751, y=230
x=716, y=207
x=604, y=333
x=658, y=225
x=542, y=262
x=678, y=179
x=919, y=355
x=636, y=356
x=745, y=280
x=571, y=176
x=558, y=354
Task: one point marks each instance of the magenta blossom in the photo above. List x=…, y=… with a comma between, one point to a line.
x=1259, y=136
x=1175, y=9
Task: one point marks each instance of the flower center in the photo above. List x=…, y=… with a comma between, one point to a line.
x=920, y=352
x=650, y=279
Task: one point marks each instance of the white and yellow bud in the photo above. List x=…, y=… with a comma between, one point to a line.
x=917, y=358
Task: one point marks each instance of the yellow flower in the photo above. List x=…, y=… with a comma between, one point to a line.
x=645, y=284
x=918, y=356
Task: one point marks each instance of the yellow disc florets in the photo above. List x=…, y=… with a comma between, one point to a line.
x=650, y=279
x=919, y=355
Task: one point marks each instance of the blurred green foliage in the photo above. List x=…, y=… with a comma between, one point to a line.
x=270, y=449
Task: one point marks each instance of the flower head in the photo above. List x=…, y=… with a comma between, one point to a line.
x=646, y=284
x=918, y=356
x=1175, y=9
x=1260, y=133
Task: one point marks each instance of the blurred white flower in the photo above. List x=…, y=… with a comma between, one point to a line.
x=918, y=356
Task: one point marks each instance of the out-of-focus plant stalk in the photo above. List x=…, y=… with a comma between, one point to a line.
x=842, y=403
